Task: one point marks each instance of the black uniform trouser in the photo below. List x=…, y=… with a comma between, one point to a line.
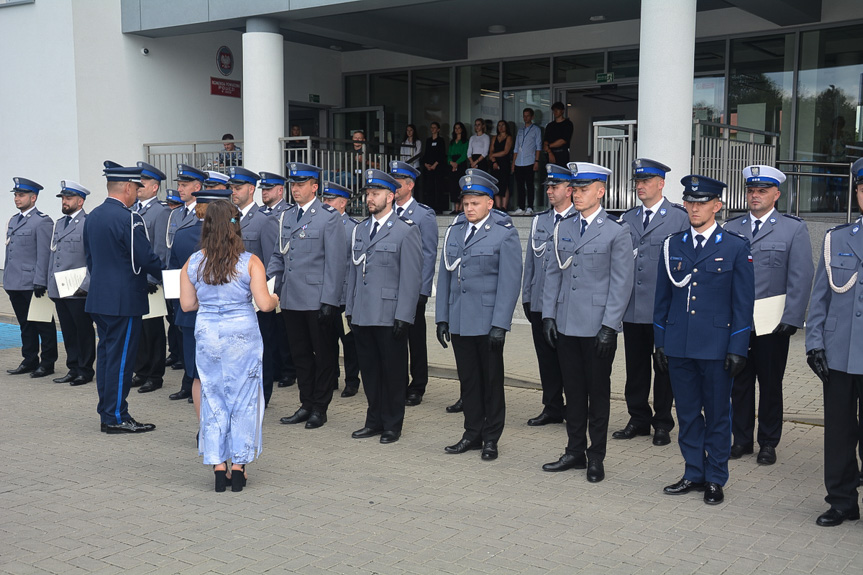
x=768, y=355
x=267, y=326
x=524, y=186
x=284, y=361
x=313, y=351
x=841, y=394
x=118, y=340
x=480, y=374
x=418, y=351
x=190, y=367
x=34, y=331
x=638, y=349
x=550, y=375
x=587, y=384
x=79, y=336
x=175, y=338
x=150, y=359
x=349, y=349
x=384, y=363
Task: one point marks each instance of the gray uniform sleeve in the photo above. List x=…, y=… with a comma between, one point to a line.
x=429, y=231
x=43, y=250
x=507, y=280
x=411, y=265
x=335, y=254
x=620, y=279
x=799, y=282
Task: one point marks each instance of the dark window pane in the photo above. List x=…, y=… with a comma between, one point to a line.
x=578, y=68
x=526, y=73
x=710, y=57
x=431, y=99
x=355, y=91
x=623, y=63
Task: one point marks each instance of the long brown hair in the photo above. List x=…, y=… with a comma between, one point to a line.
x=221, y=242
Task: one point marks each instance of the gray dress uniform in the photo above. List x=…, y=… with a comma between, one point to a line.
x=383, y=288
x=782, y=256
x=587, y=288
x=667, y=218
x=252, y=226
x=156, y=215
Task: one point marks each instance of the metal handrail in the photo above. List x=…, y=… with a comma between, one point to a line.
x=797, y=174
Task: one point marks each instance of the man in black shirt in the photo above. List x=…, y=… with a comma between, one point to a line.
x=558, y=134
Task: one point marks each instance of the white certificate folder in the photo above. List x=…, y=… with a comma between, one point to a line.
x=768, y=313
x=68, y=281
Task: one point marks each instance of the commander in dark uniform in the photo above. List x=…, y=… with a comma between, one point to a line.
x=782, y=254
x=119, y=257
x=650, y=223
x=382, y=293
x=705, y=293
x=28, y=240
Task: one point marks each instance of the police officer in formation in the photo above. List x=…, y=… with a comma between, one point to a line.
x=424, y=218
x=833, y=333
x=28, y=247
x=650, y=223
x=477, y=289
x=67, y=253
x=175, y=341
x=119, y=258
x=309, y=266
x=150, y=360
x=782, y=257
x=536, y=261
x=382, y=293
x=586, y=292
x=705, y=294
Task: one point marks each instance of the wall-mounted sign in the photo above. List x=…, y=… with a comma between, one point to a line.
x=315, y=98
x=223, y=87
x=605, y=78
x=225, y=61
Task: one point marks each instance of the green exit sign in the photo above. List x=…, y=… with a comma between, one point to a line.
x=605, y=78
x=315, y=98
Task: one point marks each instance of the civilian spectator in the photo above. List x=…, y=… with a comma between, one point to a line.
x=233, y=154
x=558, y=134
x=434, y=170
x=457, y=156
x=500, y=157
x=528, y=144
x=478, y=147
x=411, y=147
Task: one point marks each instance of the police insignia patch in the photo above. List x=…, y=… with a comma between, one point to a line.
x=756, y=171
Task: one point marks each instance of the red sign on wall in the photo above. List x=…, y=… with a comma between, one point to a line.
x=224, y=87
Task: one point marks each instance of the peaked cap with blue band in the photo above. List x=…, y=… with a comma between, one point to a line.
x=114, y=172
x=25, y=185
x=240, y=175
x=557, y=174
x=700, y=188
x=187, y=173
x=205, y=196
x=381, y=180
x=585, y=173
x=332, y=190
x=271, y=180
x=480, y=173
x=857, y=171
x=298, y=172
x=151, y=171
x=759, y=176
x=403, y=170
x=173, y=196
x=215, y=179
x=70, y=188
x=477, y=186
x=644, y=168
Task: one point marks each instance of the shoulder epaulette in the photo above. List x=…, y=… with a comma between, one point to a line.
x=407, y=221
x=542, y=212
x=736, y=218
x=423, y=206
x=329, y=208
x=736, y=235
x=839, y=227
x=632, y=209
x=505, y=224
x=164, y=203
x=572, y=214
x=678, y=206
x=499, y=212
x=612, y=218
x=793, y=217
x=41, y=215
x=356, y=221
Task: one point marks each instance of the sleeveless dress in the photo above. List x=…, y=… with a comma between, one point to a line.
x=229, y=355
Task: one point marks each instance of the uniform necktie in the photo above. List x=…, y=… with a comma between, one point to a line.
x=757, y=227
x=20, y=219
x=399, y=211
x=647, y=218
x=583, y=226
x=557, y=218
x=699, y=243
x=66, y=221
x=299, y=214
x=374, y=231
x=470, y=235
x=137, y=206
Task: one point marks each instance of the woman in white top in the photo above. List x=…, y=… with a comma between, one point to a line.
x=411, y=147
x=477, y=148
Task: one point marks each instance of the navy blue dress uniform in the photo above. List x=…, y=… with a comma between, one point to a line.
x=119, y=257
x=28, y=241
x=587, y=287
x=308, y=263
x=175, y=345
x=67, y=253
x=150, y=360
x=834, y=330
x=782, y=255
x=424, y=218
x=382, y=293
x=183, y=217
x=702, y=320
x=537, y=258
x=477, y=288
x=648, y=231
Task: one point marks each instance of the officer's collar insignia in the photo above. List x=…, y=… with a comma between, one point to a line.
x=487, y=227
x=685, y=236
x=743, y=221
x=598, y=220
x=389, y=224
x=756, y=171
x=718, y=238
x=313, y=210
x=855, y=229
x=772, y=220
x=662, y=212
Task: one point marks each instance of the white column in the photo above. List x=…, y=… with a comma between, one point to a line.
x=665, y=72
x=263, y=96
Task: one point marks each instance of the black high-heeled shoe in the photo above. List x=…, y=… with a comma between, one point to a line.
x=221, y=479
x=238, y=479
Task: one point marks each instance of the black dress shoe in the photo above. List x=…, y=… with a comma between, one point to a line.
x=766, y=455
x=65, y=379
x=80, y=380
x=713, y=493
x=683, y=486
x=170, y=360
x=20, y=369
x=566, y=461
x=630, y=431
x=860, y=480
x=595, y=471
x=833, y=517
x=489, y=450
x=738, y=451
x=462, y=446
x=390, y=436
x=178, y=365
x=104, y=427
x=316, y=420
x=543, y=419
x=349, y=391
x=661, y=437
x=287, y=382
x=299, y=416
x=42, y=371
x=191, y=400
x=182, y=394
x=366, y=432
x=137, y=381
x=150, y=386
x=455, y=407
x=129, y=426
x=413, y=399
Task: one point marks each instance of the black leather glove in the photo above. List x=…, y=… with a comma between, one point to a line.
x=734, y=364
x=785, y=329
x=496, y=337
x=526, y=307
x=606, y=341
x=424, y=299
x=443, y=333
x=348, y=319
x=400, y=329
x=79, y=293
x=39, y=291
x=549, y=331
x=817, y=360
x=660, y=360
x=152, y=288
x=328, y=313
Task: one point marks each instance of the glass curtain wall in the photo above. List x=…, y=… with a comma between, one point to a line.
x=478, y=93
x=390, y=90
x=431, y=100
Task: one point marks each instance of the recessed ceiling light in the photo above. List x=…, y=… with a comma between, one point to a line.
x=496, y=29
x=599, y=18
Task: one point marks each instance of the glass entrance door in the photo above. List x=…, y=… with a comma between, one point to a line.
x=345, y=121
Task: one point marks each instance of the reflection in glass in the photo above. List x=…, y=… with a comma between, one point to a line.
x=578, y=68
x=478, y=92
x=355, y=91
x=390, y=90
x=623, y=63
x=514, y=102
x=431, y=99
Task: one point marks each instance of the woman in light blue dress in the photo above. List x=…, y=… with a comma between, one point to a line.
x=219, y=282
